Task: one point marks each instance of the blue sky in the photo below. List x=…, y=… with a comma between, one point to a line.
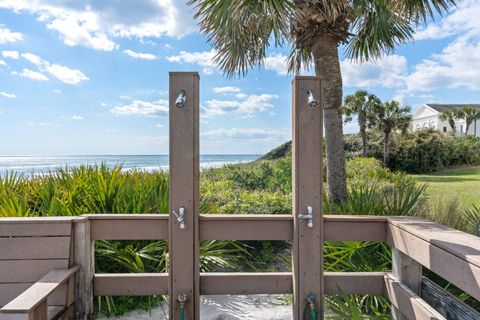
x=91, y=77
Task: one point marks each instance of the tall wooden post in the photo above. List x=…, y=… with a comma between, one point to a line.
x=84, y=257
x=409, y=272
x=184, y=193
x=307, y=194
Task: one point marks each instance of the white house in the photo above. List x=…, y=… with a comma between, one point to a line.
x=427, y=116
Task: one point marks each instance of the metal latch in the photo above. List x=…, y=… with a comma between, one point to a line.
x=308, y=217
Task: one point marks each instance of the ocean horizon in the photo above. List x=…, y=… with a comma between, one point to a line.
x=35, y=165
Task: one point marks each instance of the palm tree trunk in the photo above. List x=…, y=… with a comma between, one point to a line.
x=386, y=145
x=363, y=132
x=327, y=66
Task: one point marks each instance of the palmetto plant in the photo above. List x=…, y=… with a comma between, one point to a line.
x=388, y=117
x=241, y=32
x=361, y=103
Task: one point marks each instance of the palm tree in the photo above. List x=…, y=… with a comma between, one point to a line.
x=388, y=117
x=360, y=103
x=241, y=31
x=450, y=115
x=470, y=114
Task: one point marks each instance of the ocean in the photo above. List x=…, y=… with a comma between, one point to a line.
x=34, y=165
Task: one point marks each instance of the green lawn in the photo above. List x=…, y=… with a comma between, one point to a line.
x=462, y=183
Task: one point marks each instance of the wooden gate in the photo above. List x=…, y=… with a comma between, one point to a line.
x=307, y=278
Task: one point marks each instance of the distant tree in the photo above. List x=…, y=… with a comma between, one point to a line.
x=361, y=103
x=450, y=116
x=470, y=114
x=388, y=117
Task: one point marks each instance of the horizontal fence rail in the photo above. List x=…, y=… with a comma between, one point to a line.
x=235, y=227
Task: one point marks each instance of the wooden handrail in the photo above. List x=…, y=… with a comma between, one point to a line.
x=38, y=293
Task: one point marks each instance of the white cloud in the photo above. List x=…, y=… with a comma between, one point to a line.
x=57, y=91
x=142, y=108
x=159, y=125
x=96, y=24
x=278, y=63
x=204, y=59
x=250, y=133
x=33, y=75
x=463, y=21
x=36, y=60
x=77, y=118
x=138, y=55
x=10, y=54
x=8, y=36
x=3, y=63
x=455, y=67
x=62, y=73
x=389, y=71
x=65, y=74
x=247, y=106
x=8, y=95
x=226, y=90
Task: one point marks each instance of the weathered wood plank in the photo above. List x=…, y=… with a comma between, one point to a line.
x=33, y=248
x=235, y=227
x=18, y=271
x=19, y=227
x=9, y=291
x=39, y=291
x=83, y=257
x=146, y=284
x=184, y=175
x=132, y=284
x=307, y=191
x=445, y=303
x=463, y=245
x=129, y=229
x=371, y=283
x=245, y=283
x=408, y=272
x=405, y=300
x=245, y=227
x=354, y=230
x=458, y=271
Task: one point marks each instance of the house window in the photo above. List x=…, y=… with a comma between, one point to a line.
x=461, y=128
x=418, y=126
x=444, y=129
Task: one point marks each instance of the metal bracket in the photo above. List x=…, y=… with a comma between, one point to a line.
x=308, y=217
x=180, y=217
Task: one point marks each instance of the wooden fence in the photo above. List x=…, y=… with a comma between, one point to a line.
x=416, y=243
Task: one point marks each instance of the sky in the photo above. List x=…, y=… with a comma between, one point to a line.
x=91, y=77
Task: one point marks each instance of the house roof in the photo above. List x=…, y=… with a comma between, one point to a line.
x=443, y=107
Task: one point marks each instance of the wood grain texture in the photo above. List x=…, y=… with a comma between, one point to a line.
x=184, y=171
x=38, y=293
x=445, y=303
x=132, y=284
x=83, y=256
x=29, y=271
x=119, y=228
x=48, y=226
x=307, y=182
x=408, y=272
x=457, y=270
x=410, y=304
x=34, y=248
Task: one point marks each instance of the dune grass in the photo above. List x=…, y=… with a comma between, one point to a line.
x=462, y=184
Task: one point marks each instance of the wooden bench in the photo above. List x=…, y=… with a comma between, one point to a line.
x=36, y=269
